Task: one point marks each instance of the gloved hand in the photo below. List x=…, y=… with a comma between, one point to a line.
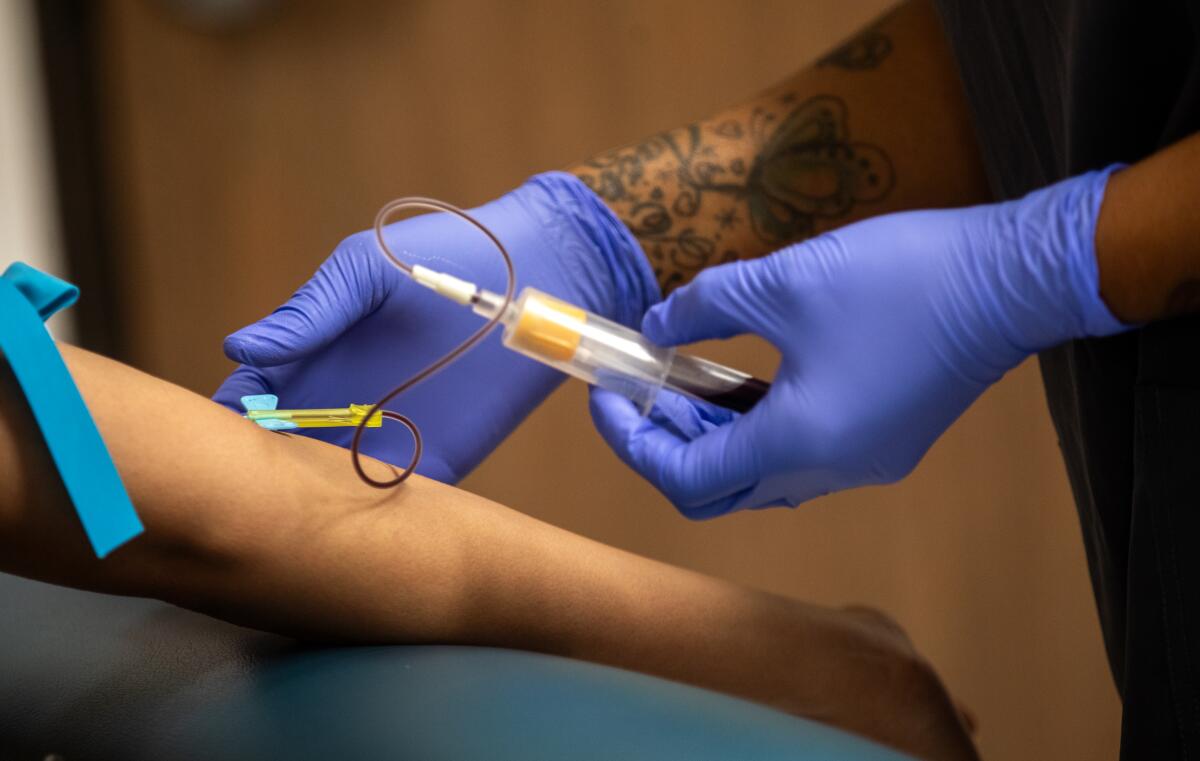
x=888, y=330
x=359, y=327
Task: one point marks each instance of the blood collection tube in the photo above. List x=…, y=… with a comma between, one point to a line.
x=606, y=354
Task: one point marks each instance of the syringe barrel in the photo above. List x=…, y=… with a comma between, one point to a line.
x=609, y=355
x=587, y=346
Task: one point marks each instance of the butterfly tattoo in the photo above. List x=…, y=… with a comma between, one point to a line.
x=680, y=199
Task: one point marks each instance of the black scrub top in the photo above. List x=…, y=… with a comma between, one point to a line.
x=1058, y=87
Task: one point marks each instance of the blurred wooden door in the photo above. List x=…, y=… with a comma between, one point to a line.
x=241, y=156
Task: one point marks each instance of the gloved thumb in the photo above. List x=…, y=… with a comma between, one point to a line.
x=343, y=291
x=721, y=302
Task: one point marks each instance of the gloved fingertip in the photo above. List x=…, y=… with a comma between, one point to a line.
x=266, y=343
x=244, y=381
x=655, y=324
x=615, y=416
x=781, y=502
x=625, y=430
x=236, y=348
x=716, y=508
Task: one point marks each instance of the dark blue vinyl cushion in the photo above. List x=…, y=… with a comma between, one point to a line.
x=90, y=676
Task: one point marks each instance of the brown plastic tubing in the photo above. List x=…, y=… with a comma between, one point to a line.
x=415, y=202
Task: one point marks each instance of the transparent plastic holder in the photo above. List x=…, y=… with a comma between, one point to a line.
x=589, y=347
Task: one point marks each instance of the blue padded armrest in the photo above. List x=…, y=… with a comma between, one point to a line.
x=91, y=676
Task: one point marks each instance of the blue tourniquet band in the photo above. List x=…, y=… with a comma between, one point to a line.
x=27, y=298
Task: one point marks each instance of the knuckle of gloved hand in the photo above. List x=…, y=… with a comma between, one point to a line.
x=827, y=247
x=696, y=513
x=907, y=463
x=795, y=283
x=678, y=481
x=881, y=466
x=781, y=266
x=358, y=262
x=355, y=245
x=715, y=285
x=708, y=285
x=685, y=496
x=703, y=508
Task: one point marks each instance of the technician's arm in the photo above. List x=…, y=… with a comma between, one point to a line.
x=276, y=531
x=1148, y=236
x=879, y=124
x=892, y=326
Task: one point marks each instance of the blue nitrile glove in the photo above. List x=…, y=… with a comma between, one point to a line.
x=359, y=327
x=888, y=330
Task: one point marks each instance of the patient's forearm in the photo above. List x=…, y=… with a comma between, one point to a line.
x=276, y=531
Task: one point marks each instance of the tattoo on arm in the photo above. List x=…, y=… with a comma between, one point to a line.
x=865, y=50
x=693, y=201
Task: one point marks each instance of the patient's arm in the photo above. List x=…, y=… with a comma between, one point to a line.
x=277, y=532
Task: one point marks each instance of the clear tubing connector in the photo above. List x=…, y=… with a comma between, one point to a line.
x=611, y=356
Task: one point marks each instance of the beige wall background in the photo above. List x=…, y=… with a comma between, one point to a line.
x=242, y=156
x=28, y=229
